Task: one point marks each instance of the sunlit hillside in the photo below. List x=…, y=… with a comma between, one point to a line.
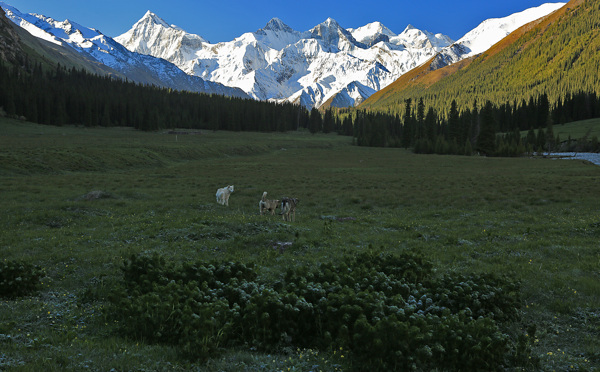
x=556, y=55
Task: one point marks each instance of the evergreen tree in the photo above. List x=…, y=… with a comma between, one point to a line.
x=420, y=119
x=543, y=110
x=315, y=123
x=468, y=148
x=550, y=140
x=328, y=121
x=407, y=130
x=431, y=124
x=486, y=141
x=453, y=123
x=105, y=121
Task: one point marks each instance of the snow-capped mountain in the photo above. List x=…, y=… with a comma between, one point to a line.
x=137, y=67
x=326, y=64
x=473, y=43
x=372, y=33
x=282, y=64
x=489, y=32
x=352, y=95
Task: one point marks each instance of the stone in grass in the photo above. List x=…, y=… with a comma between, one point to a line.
x=281, y=246
x=97, y=194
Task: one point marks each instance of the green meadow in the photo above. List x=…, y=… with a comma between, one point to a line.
x=580, y=129
x=78, y=202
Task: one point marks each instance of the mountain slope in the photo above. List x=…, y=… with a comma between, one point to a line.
x=326, y=65
x=11, y=50
x=474, y=42
x=282, y=64
x=555, y=55
x=18, y=45
x=99, y=48
x=491, y=31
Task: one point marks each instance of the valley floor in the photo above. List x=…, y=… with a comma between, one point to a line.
x=79, y=202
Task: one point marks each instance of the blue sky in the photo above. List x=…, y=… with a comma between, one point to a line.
x=223, y=20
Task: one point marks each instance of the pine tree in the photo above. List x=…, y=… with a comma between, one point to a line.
x=430, y=124
x=468, y=149
x=453, y=122
x=408, y=130
x=328, y=121
x=420, y=119
x=105, y=120
x=550, y=140
x=486, y=141
x=543, y=110
x=315, y=122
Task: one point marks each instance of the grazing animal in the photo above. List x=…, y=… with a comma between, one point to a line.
x=288, y=208
x=223, y=195
x=267, y=205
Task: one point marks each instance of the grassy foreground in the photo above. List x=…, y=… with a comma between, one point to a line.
x=77, y=202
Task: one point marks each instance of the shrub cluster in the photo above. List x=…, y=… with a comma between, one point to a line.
x=19, y=278
x=390, y=311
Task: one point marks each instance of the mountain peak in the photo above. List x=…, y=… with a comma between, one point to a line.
x=410, y=27
x=276, y=24
x=152, y=17
x=372, y=33
x=331, y=22
x=414, y=37
x=377, y=26
x=334, y=36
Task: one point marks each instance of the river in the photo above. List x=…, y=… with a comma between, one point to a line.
x=589, y=156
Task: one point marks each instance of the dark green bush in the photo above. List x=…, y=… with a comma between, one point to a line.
x=390, y=311
x=19, y=278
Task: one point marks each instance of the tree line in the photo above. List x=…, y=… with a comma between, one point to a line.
x=493, y=130
x=61, y=96
x=556, y=57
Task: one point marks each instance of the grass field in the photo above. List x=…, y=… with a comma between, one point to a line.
x=536, y=220
x=578, y=129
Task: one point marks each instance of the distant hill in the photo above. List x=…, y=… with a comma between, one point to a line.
x=556, y=54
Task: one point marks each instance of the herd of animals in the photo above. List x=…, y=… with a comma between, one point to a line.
x=288, y=205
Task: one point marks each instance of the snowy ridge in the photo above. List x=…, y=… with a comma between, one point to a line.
x=372, y=33
x=281, y=64
x=137, y=67
x=491, y=31
x=353, y=94
x=315, y=66
x=151, y=28
x=327, y=63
